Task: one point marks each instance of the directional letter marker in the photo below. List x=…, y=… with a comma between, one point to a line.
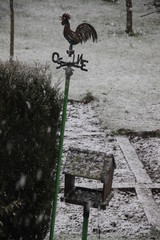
x=80, y=63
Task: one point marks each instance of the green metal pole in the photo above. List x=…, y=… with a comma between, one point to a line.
x=85, y=222
x=67, y=81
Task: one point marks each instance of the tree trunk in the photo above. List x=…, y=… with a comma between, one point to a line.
x=129, y=29
x=11, y=29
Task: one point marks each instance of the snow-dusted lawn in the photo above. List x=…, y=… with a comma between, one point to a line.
x=123, y=71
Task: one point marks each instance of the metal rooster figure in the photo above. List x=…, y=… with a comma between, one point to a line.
x=83, y=32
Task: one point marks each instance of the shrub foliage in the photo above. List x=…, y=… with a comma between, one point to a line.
x=29, y=123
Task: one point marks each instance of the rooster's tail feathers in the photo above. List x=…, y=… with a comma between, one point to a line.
x=86, y=31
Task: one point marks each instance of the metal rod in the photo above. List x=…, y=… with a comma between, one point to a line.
x=85, y=221
x=67, y=81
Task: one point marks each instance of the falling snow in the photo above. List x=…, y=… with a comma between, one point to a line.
x=21, y=182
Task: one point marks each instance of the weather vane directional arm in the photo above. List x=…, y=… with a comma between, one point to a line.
x=78, y=63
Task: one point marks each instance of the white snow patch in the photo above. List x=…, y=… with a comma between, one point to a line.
x=21, y=182
x=39, y=174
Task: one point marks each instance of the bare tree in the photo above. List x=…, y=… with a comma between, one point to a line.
x=11, y=29
x=154, y=6
x=129, y=29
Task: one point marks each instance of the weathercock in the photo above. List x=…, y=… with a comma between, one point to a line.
x=83, y=32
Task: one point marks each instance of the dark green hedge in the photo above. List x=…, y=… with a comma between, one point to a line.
x=29, y=123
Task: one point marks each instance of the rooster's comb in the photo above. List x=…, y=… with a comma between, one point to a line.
x=66, y=16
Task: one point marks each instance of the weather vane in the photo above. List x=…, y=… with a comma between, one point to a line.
x=83, y=32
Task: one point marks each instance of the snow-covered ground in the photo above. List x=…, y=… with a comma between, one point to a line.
x=123, y=72
x=124, y=218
